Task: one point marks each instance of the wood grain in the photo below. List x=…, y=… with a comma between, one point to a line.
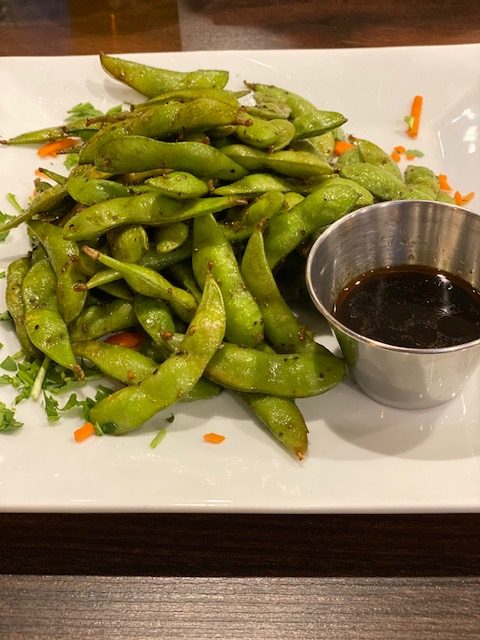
x=241, y=545
x=242, y=608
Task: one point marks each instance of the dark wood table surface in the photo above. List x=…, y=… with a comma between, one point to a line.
x=243, y=575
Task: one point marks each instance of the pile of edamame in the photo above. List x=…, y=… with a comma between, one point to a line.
x=178, y=223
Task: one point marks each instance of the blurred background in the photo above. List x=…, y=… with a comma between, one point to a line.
x=168, y=25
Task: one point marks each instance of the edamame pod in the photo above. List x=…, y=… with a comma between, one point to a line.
x=16, y=272
x=297, y=164
x=291, y=375
x=151, y=81
x=180, y=185
x=282, y=327
x=128, y=243
x=283, y=419
x=146, y=209
x=316, y=123
x=63, y=255
x=171, y=236
x=257, y=183
x=322, y=207
x=43, y=322
x=381, y=183
x=164, y=121
x=149, y=283
x=212, y=252
x=373, y=154
x=96, y=320
x=264, y=208
x=297, y=104
x=90, y=191
x=271, y=135
x=423, y=179
x=131, y=407
x=138, y=153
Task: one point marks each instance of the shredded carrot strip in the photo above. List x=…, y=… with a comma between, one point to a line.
x=410, y=156
x=213, y=438
x=443, y=182
x=415, y=115
x=397, y=153
x=341, y=146
x=52, y=148
x=84, y=432
x=461, y=200
x=129, y=339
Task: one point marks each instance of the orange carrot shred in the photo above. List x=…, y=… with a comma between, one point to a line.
x=395, y=156
x=399, y=149
x=84, y=432
x=461, y=200
x=213, y=438
x=130, y=339
x=52, y=148
x=341, y=146
x=443, y=182
x=415, y=115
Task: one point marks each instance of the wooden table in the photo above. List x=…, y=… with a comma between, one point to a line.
x=239, y=576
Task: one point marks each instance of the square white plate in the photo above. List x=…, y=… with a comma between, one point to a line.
x=363, y=457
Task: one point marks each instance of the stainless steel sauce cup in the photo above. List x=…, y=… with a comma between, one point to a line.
x=410, y=232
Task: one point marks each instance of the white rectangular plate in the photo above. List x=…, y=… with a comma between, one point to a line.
x=363, y=457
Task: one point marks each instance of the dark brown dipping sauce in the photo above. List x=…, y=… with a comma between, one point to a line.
x=411, y=306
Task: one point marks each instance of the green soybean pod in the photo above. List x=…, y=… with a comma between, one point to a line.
x=373, y=154
x=63, y=255
x=423, y=179
x=44, y=324
x=182, y=273
x=130, y=407
x=152, y=81
x=324, y=143
x=322, y=207
x=296, y=164
x=264, y=208
x=297, y=104
x=257, y=183
x=156, y=319
x=271, y=135
x=289, y=375
x=316, y=123
x=180, y=185
x=282, y=328
x=16, y=272
x=213, y=253
x=139, y=153
x=443, y=196
x=89, y=191
x=381, y=183
x=149, y=283
x=352, y=156
x=188, y=94
x=282, y=418
x=164, y=121
x=151, y=209
x=128, y=243
x=171, y=236
x=97, y=321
